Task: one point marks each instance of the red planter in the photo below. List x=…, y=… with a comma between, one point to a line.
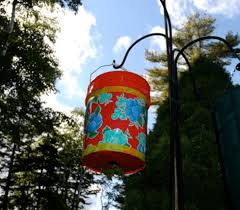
x=116, y=122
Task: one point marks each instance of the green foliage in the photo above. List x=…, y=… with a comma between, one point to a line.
x=197, y=25
x=29, y=4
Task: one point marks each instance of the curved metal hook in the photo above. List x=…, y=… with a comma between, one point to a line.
x=196, y=93
x=132, y=45
x=206, y=38
x=184, y=56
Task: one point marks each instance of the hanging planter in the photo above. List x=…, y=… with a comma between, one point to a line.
x=227, y=113
x=116, y=122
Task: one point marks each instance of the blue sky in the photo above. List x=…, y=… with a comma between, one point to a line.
x=102, y=30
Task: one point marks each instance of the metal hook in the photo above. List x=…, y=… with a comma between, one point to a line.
x=237, y=67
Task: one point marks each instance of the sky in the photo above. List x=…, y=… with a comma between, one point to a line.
x=102, y=31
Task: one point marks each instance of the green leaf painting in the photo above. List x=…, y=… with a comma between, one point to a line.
x=105, y=98
x=115, y=136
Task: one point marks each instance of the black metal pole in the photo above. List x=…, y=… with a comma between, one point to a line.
x=176, y=182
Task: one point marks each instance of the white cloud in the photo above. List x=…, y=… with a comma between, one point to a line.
x=52, y=102
x=228, y=8
x=157, y=40
x=70, y=85
x=180, y=9
x=74, y=41
x=122, y=43
x=74, y=47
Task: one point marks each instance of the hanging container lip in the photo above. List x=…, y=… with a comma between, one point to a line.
x=117, y=80
x=130, y=164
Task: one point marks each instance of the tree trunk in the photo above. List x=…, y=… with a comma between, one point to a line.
x=10, y=29
x=39, y=188
x=67, y=174
x=5, y=198
x=74, y=194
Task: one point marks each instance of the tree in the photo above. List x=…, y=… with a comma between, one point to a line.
x=26, y=72
x=196, y=26
x=48, y=170
x=29, y=5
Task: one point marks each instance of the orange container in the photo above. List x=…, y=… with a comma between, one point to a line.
x=116, y=122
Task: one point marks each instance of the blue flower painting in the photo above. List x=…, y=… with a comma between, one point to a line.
x=94, y=123
x=141, y=142
x=133, y=109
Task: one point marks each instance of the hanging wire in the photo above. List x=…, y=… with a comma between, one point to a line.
x=98, y=69
x=112, y=64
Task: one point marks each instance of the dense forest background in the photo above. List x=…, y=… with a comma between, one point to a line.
x=40, y=148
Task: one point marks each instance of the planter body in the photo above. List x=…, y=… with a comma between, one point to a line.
x=116, y=122
x=227, y=113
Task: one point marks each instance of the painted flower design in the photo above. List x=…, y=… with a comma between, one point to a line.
x=105, y=98
x=94, y=123
x=141, y=142
x=115, y=136
x=133, y=109
x=119, y=111
x=121, y=100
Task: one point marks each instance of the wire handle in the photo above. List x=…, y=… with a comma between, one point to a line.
x=112, y=64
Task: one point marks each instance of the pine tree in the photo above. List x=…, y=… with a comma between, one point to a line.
x=196, y=26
